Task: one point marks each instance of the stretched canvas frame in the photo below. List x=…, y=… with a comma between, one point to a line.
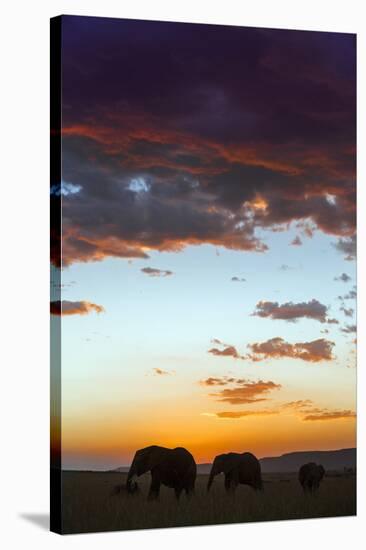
x=201, y=167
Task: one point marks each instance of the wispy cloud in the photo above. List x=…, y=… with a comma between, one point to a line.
x=330, y=415
x=66, y=307
x=241, y=414
x=217, y=381
x=298, y=405
x=229, y=351
x=304, y=409
x=347, y=311
x=344, y=278
x=296, y=242
x=246, y=391
x=238, y=279
x=347, y=246
x=351, y=295
x=161, y=372
x=348, y=329
x=332, y=321
x=152, y=272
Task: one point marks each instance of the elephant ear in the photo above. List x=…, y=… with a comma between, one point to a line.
x=229, y=462
x=152, y=456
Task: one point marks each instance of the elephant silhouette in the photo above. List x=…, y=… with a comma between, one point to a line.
x=310, y=476
x=174, y=468
x=238, y=468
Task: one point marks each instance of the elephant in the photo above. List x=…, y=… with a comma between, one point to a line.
x=310, y=476
x=174, y=468
x=238, y=468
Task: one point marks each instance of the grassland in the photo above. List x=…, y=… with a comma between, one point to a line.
x=89, y=504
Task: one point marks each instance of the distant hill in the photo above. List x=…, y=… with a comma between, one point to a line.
x=291, y=462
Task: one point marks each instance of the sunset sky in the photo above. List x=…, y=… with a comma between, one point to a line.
x=209, y=240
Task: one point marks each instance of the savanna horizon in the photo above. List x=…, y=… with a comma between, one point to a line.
x=105, y=457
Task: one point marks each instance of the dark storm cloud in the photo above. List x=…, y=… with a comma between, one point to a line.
x=178, y=134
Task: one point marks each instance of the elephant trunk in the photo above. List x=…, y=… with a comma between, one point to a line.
x=210, y=479
x=131, y=484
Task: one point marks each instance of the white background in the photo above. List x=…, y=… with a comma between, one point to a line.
x=24, y=304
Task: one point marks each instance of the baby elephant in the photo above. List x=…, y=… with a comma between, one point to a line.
x=310, y=476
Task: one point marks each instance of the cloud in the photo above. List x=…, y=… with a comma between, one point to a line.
x=351, y=295
x=332, y=321
x=246, y=391
x=300, y=404
x=229, y=351
x=218, y=342
x=292, y=311
x=241, y=414
x=347, y=311
x=296, y=242
x=161, y=372
x=347, y=246
x=238, y=279
x=344, y=278
x=66, y=307
x=302, y=408
x=151, y=272
x=276, y=348
x=217, y=381
x=330, y=415
x=308, y=412
x=348, y=329
x=65, y=189
x=221, y=157
x=285, y=267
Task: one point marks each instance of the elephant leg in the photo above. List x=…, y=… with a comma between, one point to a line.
x=178, y=492
x=230, y=484
x=154, y=488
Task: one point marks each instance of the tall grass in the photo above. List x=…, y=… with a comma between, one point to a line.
x=90, y=503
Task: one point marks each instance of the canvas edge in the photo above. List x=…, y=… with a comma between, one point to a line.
x=55, y=277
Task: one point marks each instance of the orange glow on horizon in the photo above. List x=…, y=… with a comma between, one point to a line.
x=205, y=437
